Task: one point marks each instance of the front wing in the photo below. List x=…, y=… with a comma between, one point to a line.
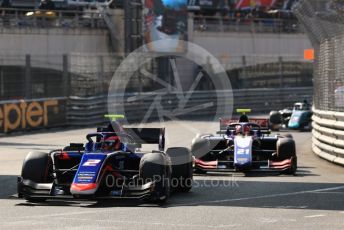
x=31, y=190
x=228, y=166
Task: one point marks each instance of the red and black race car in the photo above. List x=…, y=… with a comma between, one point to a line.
x=109, y=166
x=244, y=145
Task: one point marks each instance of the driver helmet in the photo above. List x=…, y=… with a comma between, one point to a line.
x=247, y=129
x=238, y=129
x=112, y=143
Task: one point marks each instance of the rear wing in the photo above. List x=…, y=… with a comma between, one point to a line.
x=146, y=135
x=142, y=135
x=262, y=122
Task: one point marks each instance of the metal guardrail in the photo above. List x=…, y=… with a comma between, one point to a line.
x=90, y=111
x=14, y=17
x=255, y=25
x=50, y=19
x=328, y=135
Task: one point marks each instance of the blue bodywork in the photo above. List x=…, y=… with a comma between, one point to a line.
x=81, y=171
x=96, y=158
x=89, y=168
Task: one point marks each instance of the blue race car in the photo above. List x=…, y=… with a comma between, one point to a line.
x=109, y=166
x=298, y=118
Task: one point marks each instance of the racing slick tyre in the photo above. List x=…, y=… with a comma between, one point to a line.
x=182, y=170
x=200, y=135
x=199, y=171
x=275, y=119
x=306, y=127
x=154, y=167
x=36, y=169
x=286, y=150
x=293, y=169
x=288, y=135
x=200, y=147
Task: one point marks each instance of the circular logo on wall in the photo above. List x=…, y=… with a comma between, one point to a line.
x=186, y=93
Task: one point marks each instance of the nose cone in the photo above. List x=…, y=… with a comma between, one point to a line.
x=293, y=124
x=295, y=120
x=243, y=165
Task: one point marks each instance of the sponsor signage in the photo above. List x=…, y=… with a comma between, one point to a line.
x=31, y=114
x=165, y=20
x=90, y=167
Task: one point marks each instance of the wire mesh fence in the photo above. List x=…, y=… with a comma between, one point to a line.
x=86, y=75
x=29, y=77
x=324, y=22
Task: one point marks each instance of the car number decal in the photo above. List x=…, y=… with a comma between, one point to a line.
x=91, y=162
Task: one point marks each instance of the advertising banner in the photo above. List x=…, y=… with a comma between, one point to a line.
x=23, y=115
x=165, y=19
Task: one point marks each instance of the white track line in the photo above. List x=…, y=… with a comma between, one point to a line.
x=261, y=197
x=76, y=213
x=340, y=193
x=315, y=216
x=153, y=223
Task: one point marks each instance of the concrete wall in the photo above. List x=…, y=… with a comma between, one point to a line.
x=47, y=46
x=258, y=48
x=54, y=41
x=240, y=44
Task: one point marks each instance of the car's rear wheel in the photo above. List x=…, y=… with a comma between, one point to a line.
x=201, y=147
x=182, y=170
x=275, y=119
x=35, y=168
x=199, y=171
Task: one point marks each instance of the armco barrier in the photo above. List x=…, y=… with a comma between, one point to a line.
x=91, y=110
x=328, y=135
x=20, y=115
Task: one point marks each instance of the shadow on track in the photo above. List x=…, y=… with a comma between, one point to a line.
x=91, y=204
x=301, y=172
x=233, y=192
x=254, y=194
x=8, y=186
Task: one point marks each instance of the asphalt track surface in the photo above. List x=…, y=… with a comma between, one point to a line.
x=313, y=199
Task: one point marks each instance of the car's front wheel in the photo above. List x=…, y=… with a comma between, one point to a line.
x=36, y=167
x=182, y=170
x=153, y=168
x=286, y=150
